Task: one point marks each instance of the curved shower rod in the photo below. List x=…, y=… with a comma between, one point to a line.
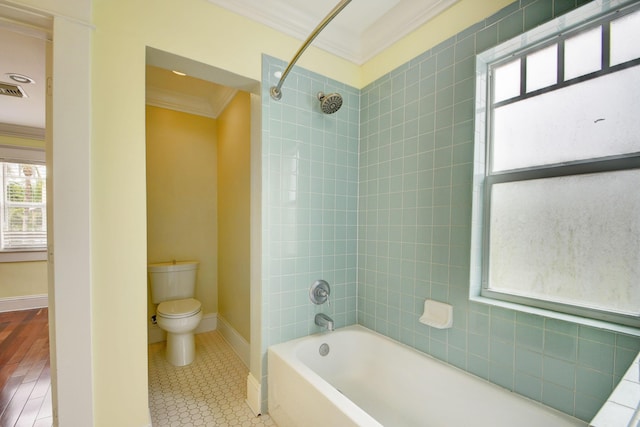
x=275, y=91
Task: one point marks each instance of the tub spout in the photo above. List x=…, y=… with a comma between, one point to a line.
x=324, y=321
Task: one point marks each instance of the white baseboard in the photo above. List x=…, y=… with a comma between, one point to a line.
x=254, y=395
x=208, y=323
x=237, y=342
x=26, y=302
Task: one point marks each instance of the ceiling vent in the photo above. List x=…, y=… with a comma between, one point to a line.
x=9, y=89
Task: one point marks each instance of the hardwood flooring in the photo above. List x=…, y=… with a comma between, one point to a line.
x=25, y=381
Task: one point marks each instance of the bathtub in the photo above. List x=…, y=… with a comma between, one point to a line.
x=367, y=379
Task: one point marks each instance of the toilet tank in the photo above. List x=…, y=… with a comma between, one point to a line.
x=172, y=280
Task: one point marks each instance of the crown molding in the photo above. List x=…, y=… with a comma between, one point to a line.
x=341, y=39
x=19, y=131
x=210, y=107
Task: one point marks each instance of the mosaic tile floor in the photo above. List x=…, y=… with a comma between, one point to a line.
x=209, y=392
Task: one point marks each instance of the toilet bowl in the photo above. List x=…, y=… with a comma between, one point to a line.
x=180, y=318
x=178, y=313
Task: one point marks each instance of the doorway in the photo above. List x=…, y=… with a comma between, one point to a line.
x=234, y=311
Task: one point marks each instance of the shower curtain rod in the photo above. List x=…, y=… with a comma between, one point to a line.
x=275, y=91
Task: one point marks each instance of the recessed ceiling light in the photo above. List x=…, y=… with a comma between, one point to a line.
x=20, y=78
x=178, y=73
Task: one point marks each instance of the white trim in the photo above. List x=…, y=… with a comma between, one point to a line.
x=172, y=100
x=19, y=131
x=23, y=256
x=10, y=153
x=253, y=395
x=563, y=24
x=208, y=323
x=26, y=302
x=357, y=45
x=235, y=340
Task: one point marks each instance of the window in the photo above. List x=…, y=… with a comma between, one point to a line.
x=23, y=212
x=557, y=206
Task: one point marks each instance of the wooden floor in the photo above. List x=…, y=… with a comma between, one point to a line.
x=25, y=381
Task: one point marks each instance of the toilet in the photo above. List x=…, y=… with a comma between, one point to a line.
x=178, y=313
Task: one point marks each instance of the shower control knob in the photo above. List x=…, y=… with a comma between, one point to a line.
x=319, y=292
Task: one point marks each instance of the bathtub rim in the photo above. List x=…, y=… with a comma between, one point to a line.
x=342, y=402
x=345, y=404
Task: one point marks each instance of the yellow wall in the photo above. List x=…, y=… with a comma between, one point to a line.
x=233, y=215
x=23, y=278
x=182, y=196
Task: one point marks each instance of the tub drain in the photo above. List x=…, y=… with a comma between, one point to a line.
x=324, y=349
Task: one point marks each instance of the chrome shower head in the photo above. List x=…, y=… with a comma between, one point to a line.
x=330, y=103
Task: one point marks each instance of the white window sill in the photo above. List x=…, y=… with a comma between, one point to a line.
x=600, y=324
x=23, y=256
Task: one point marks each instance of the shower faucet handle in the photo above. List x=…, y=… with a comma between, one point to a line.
x=319, y=292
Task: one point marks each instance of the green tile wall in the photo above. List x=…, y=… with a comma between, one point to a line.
x=310, y=188
x=414, y=226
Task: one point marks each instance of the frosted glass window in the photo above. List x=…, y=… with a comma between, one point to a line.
x=571, y=239
x=583, y=53
x=625, y=33
x=542, y=68
x=591, y=119
x=506, y=82
x=556, y=221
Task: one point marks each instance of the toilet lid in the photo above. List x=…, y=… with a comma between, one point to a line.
x=179, y=308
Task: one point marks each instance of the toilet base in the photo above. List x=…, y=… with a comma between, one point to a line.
x=181, y=348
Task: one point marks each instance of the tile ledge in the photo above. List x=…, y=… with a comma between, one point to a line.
x=615, y=413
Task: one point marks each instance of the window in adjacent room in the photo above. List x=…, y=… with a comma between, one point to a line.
x=557, y=200
x=23, y=210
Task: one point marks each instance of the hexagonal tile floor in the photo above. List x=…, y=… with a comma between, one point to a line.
x=209, y=392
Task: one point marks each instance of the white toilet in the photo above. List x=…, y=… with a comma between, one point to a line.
x=179, y=314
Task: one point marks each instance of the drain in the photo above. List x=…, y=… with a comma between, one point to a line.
x=324, y=349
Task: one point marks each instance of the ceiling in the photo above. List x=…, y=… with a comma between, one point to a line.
x=360, y=31
x=363, y=29
x=23, y=53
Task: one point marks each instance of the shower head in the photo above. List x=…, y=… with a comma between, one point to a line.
x=330, y=103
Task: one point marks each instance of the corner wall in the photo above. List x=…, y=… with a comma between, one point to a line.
x=234, y=175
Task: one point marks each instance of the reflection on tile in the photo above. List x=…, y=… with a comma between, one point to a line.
x=209, y=392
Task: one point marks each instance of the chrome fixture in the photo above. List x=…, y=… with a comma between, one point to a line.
x=324, y=321
x=331, y=103
x=275, y=91
x=319, y=292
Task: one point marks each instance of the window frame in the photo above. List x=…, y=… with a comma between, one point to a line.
x=555, y=32
x=32, y=155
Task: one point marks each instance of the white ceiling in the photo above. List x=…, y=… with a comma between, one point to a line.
x=23, y=52
x=363, y=29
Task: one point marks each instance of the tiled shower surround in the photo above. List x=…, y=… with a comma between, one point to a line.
x=404, y=222
x=310, y=200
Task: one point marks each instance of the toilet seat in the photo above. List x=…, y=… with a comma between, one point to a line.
x=179, y=308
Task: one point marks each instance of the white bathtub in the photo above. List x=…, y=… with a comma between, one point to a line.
x=367, y=379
